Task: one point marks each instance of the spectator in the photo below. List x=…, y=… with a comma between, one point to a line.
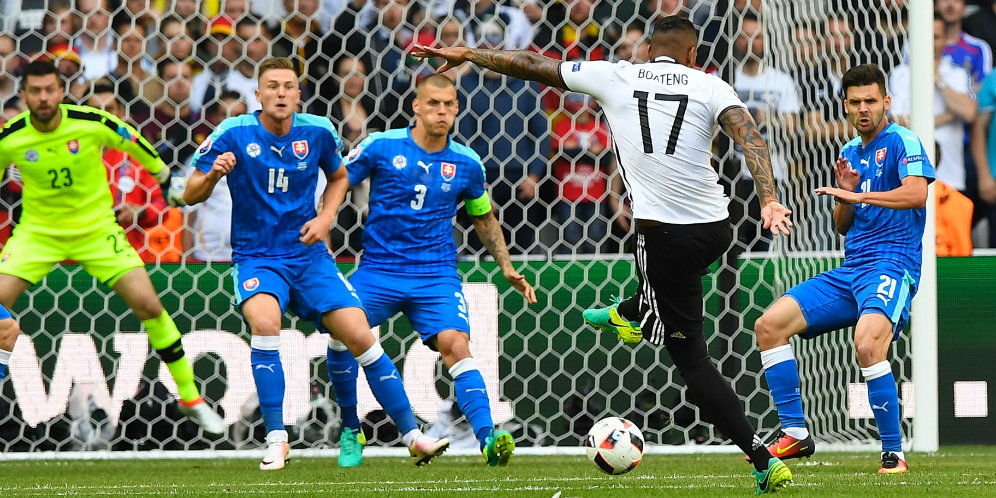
x=633, y=46
x=175, y=41
x=505, y=123
x=984, y=151
x=133, y=74
x=96, y=42
x=173, y=127
x=353, y=113
x=983, y=22
x=255, y=37
x=581, y=37
x=301, y=37
x=138, y=12
x=582, y=165
x=138, y=201
x=545, y=16
x=60, y=25
x=67, y=59
x=10, y=65
x=825, y=52
x=953, y=230
x=515, y=26
x=771, y=97
x=966, y=51
x=192, y=18
x=207, y=231
x=953, y=107
x=235, y=9
x=223, y=50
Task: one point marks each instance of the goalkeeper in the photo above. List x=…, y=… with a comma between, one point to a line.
x=67, y=214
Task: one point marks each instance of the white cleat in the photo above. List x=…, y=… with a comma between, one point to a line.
x=425, y=448
x=211, y=422
x=277, y=456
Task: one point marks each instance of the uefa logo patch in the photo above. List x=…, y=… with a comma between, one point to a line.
x=5, y=258
x=400, y=162
x=73, y=146
x=205, y=147
x=31, y=155
x=251, y=284
x=355, y=152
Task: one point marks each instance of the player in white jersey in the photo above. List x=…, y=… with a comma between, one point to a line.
x=663, y=114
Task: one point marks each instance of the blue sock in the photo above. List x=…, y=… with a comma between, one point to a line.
x=3, y=371
x=472, y=397
x=388, y=388
x=884, y=398
x=4, y=358
x=268, y=373
x=343, y=370
x=782, y=374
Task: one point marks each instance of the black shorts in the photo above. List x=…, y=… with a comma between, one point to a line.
x=671, y=261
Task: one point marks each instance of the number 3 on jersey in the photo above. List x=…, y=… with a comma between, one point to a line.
x=679, y=118
x=277, y=181
x=420, y=191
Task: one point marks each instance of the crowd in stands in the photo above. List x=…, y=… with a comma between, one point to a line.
x=176, y=68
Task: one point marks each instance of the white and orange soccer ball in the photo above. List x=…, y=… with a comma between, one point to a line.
x=615, y=445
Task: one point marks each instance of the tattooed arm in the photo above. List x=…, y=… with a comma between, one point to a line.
x=493, y=239
x=740, y=126
x=522, y=64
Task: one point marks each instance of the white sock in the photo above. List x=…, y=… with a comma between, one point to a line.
x=411, y=436
x=796, y=432
x=276, y=437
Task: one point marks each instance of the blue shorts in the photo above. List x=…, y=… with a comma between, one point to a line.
x=310, y=285
x=4, y=314
x=835, y=299
x=433, y=303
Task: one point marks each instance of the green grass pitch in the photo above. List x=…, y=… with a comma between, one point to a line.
x=953, y=471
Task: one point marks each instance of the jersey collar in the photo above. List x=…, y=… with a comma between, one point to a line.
x=665, y=59
x=449, y=140
x=885, y=131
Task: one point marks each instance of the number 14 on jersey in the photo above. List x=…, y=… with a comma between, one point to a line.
x=277, y=181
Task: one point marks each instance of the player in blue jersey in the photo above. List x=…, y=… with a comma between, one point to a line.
x=418, y=178
x=272, y=159
x=882, y=177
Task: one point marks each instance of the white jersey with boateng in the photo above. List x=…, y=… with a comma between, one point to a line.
x=663, y=117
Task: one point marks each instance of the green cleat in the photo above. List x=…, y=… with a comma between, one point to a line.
x=608, y=319
x=498, y=448
x=351, y=443
x=774, y=479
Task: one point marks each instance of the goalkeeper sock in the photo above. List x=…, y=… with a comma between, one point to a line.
x=165, y=339
x=472, y=397
x=4, y=360
x=343, y=371
x=268, y=373
x=782, y=374
x=884, y=398
x=630, y=308
x=387, y=387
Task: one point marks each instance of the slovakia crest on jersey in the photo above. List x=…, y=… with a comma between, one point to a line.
x=73, y=146
x=300, y=148
x=250, y=284
x=448, y=171
x=880, y=156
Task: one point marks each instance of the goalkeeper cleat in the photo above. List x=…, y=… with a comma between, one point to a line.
x=351, y=443
x=277, y=456
x=609, y=319
x=774, y=479
x=787, y=447
x=892, y=464
x=198, y=409
x=425, y=448
x=498, y=448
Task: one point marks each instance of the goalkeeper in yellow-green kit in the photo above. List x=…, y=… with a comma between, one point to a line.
x=67, y=213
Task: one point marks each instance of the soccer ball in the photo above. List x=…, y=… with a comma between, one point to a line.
x=615, y=445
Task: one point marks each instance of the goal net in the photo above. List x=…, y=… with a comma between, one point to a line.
x=83, y=377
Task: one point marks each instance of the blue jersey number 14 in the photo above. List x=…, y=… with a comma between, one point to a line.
x=277, y=180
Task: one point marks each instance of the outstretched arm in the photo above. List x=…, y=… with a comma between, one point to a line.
x=740, y=126
x=522, y=64
x=490, y=234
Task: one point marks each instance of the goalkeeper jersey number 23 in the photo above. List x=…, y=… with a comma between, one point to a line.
x=65, y=181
